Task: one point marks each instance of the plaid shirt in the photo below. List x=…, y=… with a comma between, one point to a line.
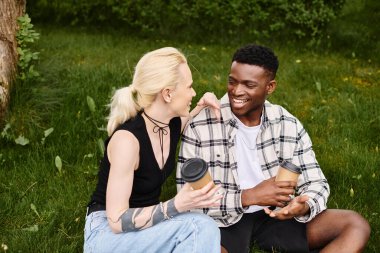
x=281, y=137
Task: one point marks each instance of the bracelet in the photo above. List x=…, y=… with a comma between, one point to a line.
x=162, y=209
x=166, y=217
x=171, y=210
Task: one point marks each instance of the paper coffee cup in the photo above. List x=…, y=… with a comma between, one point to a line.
x=288, y=172
x=195, y=172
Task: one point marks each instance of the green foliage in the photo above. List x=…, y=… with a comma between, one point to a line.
x=255, y=18
x=8, y=135
x=355, y=32
x=336, y=98
x=26, y=36
x=334, y=92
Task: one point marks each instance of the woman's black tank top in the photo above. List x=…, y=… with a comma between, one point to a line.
x=148, y=178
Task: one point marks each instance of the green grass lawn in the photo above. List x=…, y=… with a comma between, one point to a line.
x=42, y=208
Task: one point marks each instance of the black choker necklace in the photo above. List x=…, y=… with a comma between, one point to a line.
x=161, y=132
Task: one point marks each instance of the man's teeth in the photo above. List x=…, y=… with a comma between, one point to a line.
x=240, y=101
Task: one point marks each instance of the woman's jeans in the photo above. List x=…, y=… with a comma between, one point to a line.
x=185, y=233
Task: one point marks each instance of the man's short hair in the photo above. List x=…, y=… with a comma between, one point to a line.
x=258, y=55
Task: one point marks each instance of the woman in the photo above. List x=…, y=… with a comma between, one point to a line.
x=144, y=127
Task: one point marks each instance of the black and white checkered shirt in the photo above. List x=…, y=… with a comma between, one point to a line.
x=281, y=137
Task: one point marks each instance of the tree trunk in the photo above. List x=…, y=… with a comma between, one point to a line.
x=10, y=10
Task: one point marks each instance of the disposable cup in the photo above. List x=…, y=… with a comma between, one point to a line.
x=195, y=172
x=288, y=172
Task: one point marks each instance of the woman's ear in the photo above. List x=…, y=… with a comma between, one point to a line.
x=271, y=86
x=166, y=95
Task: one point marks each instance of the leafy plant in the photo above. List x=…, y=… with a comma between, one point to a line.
x=26, y=35
x=234, y=18
x=58, y=164
x=6, y=132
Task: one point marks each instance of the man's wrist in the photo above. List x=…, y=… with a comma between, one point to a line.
x=246, y=198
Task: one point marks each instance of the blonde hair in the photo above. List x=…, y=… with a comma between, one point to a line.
x=154, y=72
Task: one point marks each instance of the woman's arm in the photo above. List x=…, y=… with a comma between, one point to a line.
x=123, y=154
x=208, y=99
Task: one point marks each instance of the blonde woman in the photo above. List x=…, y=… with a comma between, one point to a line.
x=144, y=126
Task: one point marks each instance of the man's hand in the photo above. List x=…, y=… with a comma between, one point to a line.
x=296, y=207
x=268, y=193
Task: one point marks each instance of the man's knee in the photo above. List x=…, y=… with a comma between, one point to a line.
x=357, y=223
x=332, y=224
x=354, y=226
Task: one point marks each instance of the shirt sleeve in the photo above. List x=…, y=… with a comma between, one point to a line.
x=312, y=182
x=189, y=147
x=231, y=208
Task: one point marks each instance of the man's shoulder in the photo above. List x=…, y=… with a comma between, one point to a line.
x=276, y=113
x=202, y=117
x=204, y=123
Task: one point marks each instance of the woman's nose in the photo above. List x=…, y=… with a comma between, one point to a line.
x=194, y=93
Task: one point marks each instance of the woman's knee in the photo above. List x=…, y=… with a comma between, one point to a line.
x=205, y=225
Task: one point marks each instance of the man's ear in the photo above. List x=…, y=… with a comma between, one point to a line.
x=166, y=95
x=271, y=86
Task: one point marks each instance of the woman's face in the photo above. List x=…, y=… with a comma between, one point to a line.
x=183, y=93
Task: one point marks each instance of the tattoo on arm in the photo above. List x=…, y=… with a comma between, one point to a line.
x=135, y=219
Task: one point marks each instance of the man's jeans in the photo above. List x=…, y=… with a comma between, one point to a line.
x=185, y=233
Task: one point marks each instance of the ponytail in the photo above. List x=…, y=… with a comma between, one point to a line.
x=122, y=107
x=154, y=72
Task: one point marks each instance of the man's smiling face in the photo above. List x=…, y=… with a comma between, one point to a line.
x=248, y=87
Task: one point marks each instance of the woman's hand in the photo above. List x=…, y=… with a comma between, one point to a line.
x=187, y=198
x=209, y=99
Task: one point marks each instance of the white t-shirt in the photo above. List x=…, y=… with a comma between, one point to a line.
x=248, y=165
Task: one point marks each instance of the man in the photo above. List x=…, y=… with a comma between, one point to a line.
x=243, y=151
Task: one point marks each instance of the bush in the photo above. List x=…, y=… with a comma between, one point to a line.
x=256, y=18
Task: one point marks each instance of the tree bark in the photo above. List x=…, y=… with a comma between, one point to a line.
x=10, y=10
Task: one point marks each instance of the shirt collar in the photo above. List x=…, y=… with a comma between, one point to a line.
x=226, y=112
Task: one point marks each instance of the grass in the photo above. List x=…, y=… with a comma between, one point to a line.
x=334, y=93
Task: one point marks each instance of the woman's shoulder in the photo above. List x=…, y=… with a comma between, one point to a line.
x=132, y=124
x=131, y=127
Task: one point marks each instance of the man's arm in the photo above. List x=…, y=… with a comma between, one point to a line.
x=268, y=193
x=313, y=182
x=196, y=143
x=294, y=145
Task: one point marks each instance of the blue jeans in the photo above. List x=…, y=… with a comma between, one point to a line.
x=185, y=233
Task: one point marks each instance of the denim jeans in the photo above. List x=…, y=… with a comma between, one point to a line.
x=185, y=233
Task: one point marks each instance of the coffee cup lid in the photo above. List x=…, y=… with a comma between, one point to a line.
x=290, y=166
x=193, y=169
